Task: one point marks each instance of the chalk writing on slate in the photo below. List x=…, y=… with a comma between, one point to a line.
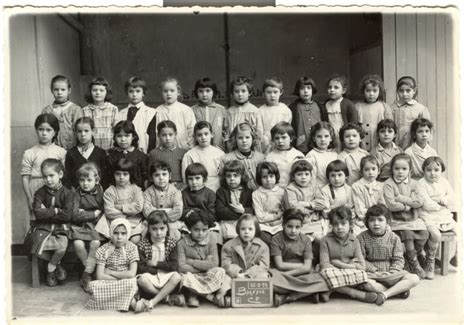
x=252, y=293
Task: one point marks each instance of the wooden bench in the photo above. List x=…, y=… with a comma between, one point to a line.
x=447, y=239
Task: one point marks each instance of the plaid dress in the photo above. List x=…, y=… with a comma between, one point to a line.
x=199, y=264
x=111, y=294
x=105, y=117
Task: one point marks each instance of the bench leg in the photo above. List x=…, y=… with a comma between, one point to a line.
x=445, y=257
x=35, y=276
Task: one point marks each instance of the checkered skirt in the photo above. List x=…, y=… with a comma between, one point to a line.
x=112, y=295
x=336, y=278
x=204, y=283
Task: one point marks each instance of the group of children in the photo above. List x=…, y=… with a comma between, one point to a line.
x=319, y=198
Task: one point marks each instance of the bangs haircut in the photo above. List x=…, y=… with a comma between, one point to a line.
x=350, y=126
x=374, y=81
x=245, y=126
x=99, y=81
x=418, y=123
x=273, y=82
x=369, y=159
x=135, y=82
x=198, y=215
x=234, y=166
x=377, y=210
x=158, y=216
x=196, y=169
x=434, y=160
x=206, y=83
x=128, y=128
x=159, y=165
x=51, y=120
x=242, y=80
x=338, y=214
x=339, y=78
x=272, y=169
x=124, y=165
x=171, y=80
x=336, y=166
x=304, y=81
x=387, y=124
x=401, y=156
x=292, y=214
x=301, y=165
x=283, y=128
x=322, y=125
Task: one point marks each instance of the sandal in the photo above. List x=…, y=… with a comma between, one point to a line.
x=143, y=305
x=223, y=302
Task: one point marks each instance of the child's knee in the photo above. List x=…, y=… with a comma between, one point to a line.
x=143, y=281
x=435, y=235
x=413, y=278
x=175, y=278
x=135, y=239
x=94, y=244
x=79, y=244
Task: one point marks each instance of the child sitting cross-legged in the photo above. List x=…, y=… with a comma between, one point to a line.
x=158, y=265
x=383, y=253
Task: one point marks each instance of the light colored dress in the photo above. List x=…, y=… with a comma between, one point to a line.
x=181, y=115
x=370, y=114
x=209, y=157
x=272, y=115
x=334, y=114
x=141, y=121
x=284, y=159
x=268, y=207
x=384, y=157
x=215, y=114
x=352, y=160
x=250, y=163
x=245, y=113
x=404, y=114
x=418, y=155
x=67, y=113
x=320, y=161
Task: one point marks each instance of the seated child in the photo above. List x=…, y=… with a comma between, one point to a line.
x=164, y=196
x=336, y=193
x=117, y=260
x=420, y=149
x=283, y=154
x=243, y=140
x=52, y=208
x=366, y=192
x=351, y=135
x=383, y=253
x=123, y=199
x=437, y=209
x=402, y=199
x=267, y=201
x=293, y=276
x=88, y=207
x=341, y=260
x=158, y=264
x=386, y=149
x=198, y=262
x=233, y=198
x=302, y=194
x=246, y=256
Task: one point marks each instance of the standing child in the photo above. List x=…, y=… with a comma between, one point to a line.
x=243, y=140
x=85, y=152
x=117, y=260
x=142, y=116
x=351, y=136
x=163, y=196
x=267, y=200
x=52, y=207
x=65, y=111
x=47, y=128
x=302, y=194
x=340, y=110
x=406, y=109
x=342, y=263
x=243, y=110
x=323, y=143
x=437, y=210
x=372, y=110
x=198, y=261
x=168, y=151
x=246, y=256
x=293, y=276
x=306, y=112
x=336, y=193
x=181, y=115
x=88, y=207
x=207, y=109
x=205, y=153
x=401, y=198
x=158, y=264
x=272, y=111
x=233, y=198
x=126, y=146
x=383, y=253
x=386, y=148
x=420, y=149
x=104, y=114
x=283, y=154
x=366, y=192
x=123, y=199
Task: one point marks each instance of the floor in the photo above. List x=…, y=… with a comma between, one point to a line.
x=438, y=301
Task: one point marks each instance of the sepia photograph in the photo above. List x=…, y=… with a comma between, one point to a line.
x=233, y=164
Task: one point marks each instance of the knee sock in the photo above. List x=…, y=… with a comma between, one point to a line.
x=51, y=267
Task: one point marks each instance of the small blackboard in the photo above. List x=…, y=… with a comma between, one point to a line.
x=252, y=293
